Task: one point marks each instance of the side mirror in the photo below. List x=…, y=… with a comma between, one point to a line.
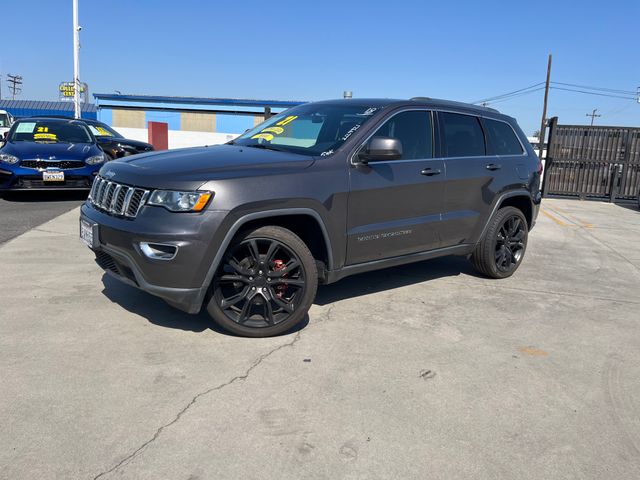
x=381, y=148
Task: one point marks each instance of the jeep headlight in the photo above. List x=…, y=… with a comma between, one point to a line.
x=180, y=201
x=6, y=158
x=95, y=160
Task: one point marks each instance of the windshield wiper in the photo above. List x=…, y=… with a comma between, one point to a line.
x=265, y=147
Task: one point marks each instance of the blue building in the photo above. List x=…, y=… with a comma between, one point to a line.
x=33, y=108
x=219, y=115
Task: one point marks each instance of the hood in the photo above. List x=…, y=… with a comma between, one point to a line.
x=189, y=168
x=61, y=151
x=136, y=144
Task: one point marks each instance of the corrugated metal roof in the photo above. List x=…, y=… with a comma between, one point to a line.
x=43, y=105
x=194, y=100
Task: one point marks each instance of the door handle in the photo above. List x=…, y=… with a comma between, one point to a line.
x=494, y=166
x=430, y=172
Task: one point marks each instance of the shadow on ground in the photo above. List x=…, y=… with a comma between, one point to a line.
x=156, y=311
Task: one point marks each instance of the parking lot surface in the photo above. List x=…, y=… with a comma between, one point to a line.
x=22, y=211
x=423, y=371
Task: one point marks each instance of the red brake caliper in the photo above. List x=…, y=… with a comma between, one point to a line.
x=281, y=287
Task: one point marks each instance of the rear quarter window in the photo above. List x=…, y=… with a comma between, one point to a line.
x=502, y=137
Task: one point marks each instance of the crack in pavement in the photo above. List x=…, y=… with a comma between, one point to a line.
x=238, y=378
x=235, y=379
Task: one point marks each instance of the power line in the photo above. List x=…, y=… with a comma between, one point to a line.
x=594, y=93
x=508, y=93
x=602, y=89
x=15, y=84
x=514, y=96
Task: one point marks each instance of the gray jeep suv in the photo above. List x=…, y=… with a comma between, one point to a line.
x=322, y=191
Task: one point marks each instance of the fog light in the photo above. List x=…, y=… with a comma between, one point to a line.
x=158, y=251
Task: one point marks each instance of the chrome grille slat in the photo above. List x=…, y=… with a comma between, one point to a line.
x=117, y=199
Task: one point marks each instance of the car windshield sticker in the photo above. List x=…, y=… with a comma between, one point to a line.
x=100, y=131
x=327, y=153
x=270, y=132
x=351, y=130
x=25, y=127
x=369, y=111
x=45, y=136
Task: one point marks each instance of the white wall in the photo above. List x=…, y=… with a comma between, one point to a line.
x=180, y=138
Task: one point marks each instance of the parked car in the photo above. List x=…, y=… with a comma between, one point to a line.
x=5, y=123
x=322, y=191
x=113, y=143
x=49, y=153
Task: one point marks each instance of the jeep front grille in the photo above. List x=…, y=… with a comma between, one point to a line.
x=116, y=198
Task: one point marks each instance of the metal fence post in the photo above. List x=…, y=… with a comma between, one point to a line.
x=548, y=161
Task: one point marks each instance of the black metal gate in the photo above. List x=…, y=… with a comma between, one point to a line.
x=592, y=162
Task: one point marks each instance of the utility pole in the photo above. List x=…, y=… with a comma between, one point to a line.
x=543, y=125
x=15, y=84
x=593, y=115
x=76, y=61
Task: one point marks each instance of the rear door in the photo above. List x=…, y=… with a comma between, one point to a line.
x=471, y=174
x=395, y=205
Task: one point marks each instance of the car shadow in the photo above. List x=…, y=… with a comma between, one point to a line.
x=36, y=196
x=392, y=278
x=158, y=312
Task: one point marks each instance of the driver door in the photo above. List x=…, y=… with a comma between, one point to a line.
x=395, y=205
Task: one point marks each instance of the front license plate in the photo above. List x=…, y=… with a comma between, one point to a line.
x=53, y=176
x=88, y=233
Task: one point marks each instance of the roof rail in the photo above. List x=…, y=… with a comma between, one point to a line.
x=453, y=103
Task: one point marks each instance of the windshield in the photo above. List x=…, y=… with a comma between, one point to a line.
x=4, y=120
x=103, y=130
x=312, y=129
x=46, y=131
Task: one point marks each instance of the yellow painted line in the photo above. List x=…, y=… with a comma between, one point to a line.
x=553, y=217
x=533, y=351
x=562, y=212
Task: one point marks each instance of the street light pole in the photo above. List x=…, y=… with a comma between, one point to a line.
x=76, y=61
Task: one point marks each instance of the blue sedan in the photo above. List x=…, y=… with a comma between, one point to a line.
x=49, y=154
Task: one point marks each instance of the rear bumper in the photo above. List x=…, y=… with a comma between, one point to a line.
x=181, y=281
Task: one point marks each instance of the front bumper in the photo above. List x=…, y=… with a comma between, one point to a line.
x=180, y=281
x=18, y=178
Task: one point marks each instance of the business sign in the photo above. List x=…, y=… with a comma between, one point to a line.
x=67, y=89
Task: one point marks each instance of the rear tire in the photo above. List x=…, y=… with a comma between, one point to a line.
x=265, y=284
x=502, y=248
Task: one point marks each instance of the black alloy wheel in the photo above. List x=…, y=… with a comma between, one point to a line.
x=502, y=247
x=510, y=243
x=265, y=283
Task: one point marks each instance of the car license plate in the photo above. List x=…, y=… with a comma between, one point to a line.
x=53, y=176
x=88, y=233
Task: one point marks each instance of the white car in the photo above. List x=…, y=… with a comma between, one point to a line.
x=6, y=120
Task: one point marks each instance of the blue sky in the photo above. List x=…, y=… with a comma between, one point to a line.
x=466, y=50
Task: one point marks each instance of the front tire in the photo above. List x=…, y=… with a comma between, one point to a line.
x=265, y=284
x=502, y=248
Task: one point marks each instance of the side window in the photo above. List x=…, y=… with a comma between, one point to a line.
x=463, y=135
x=502, y=138
x=414, y=131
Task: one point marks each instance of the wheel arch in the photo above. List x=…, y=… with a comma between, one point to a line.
x=310, y=224
x=520, y=199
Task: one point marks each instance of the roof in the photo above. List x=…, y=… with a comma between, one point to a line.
x=423, y=101
x=107, y=97
x=42, y=105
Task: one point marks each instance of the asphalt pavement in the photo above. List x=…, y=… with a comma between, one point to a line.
x=22, y=211
x=426, y=371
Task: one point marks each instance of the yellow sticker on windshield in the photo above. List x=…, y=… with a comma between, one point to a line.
x=267, y=136
x=269, y=132
x=103, y=132
x=45, y=136
x=276, y=130
x=287, y=120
